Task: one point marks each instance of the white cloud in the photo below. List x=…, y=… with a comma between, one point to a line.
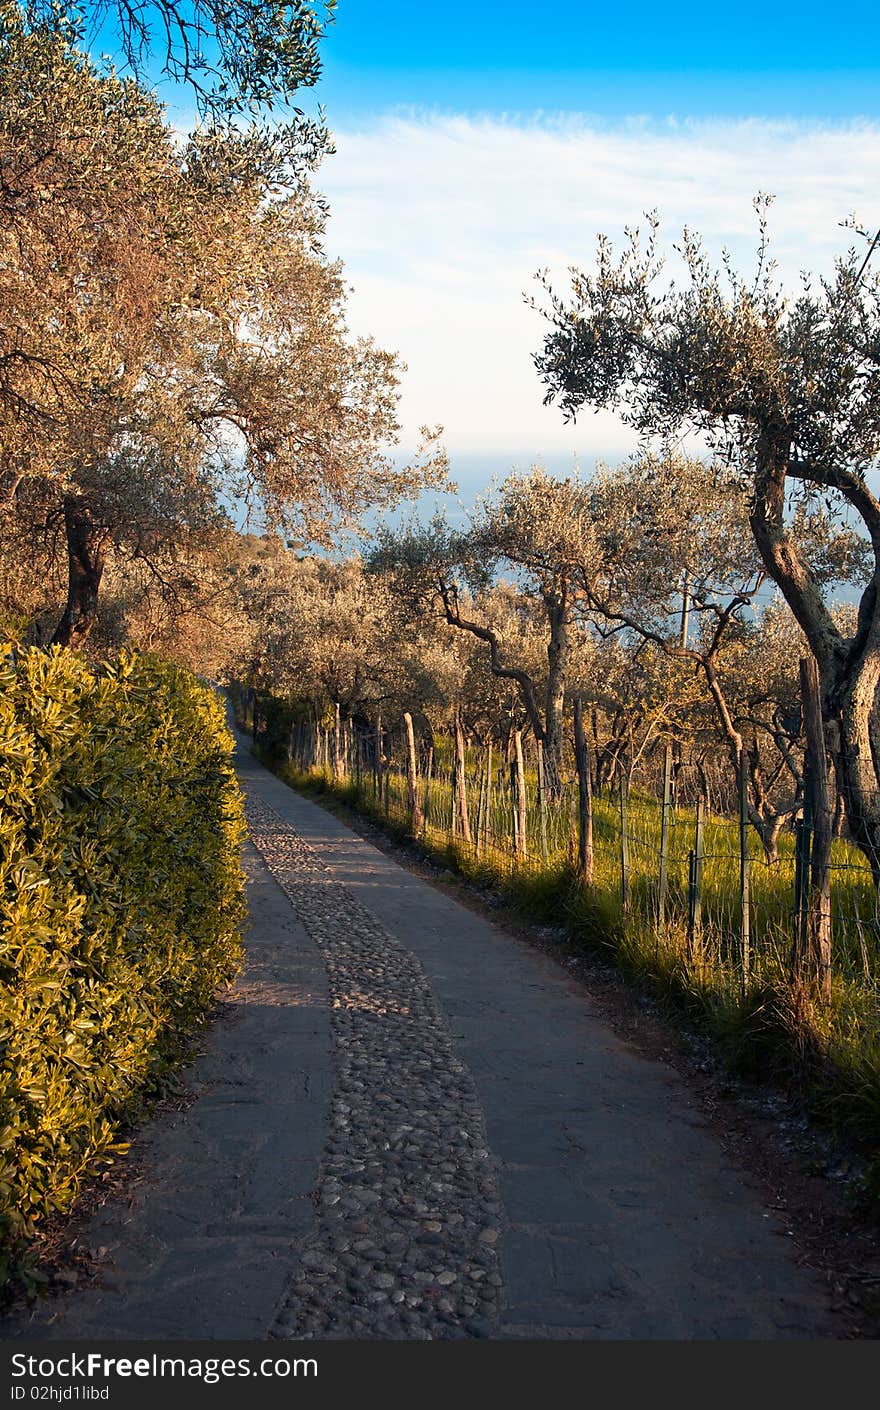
x=443, y=221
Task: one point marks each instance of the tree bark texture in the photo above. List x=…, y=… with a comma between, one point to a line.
x=849, y=669
x=86, y=554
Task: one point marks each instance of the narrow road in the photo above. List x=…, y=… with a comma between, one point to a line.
x=411, y=1125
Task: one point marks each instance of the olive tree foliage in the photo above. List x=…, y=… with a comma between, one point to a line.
x=325, y=634
x=234, y=55
x=787, y=392
x=330, y=641
x=537, y=529
x=179, y=606
x=332, y=638
x=171, y=335
x=680, y=570
x=634, y=699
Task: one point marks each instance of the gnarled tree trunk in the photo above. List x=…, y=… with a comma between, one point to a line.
x=86, y=553
x=849, y=707
x=849, y=670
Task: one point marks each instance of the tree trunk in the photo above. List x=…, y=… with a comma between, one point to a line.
x=594, y=753
x=86, y=553
x=849, y=708
x=556, y=604
x=849, y=670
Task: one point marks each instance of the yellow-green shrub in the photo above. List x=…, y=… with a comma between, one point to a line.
x=121, y=903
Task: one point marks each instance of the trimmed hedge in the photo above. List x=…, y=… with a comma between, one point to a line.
x=121, y=906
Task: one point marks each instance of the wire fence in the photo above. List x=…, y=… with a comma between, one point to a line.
x=664, y=845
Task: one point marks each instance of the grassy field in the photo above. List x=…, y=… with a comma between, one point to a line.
x=855, y=927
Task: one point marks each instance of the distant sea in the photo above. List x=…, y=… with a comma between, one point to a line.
x=475, y=471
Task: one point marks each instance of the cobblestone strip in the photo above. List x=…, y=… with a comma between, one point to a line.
x=408, y=1212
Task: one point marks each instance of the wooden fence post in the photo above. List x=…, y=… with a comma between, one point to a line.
x=585, y=798
x=798, y=917
x=624, y=838
x=387, y=773
x=412, y=781
x=519, y=782
x=695, y=881
x=460, y=803
x=663, y=881
x=745, y=868
x=337, y=742
x=818, y=936
x=542, y=800
x=481, y=807
x=487, y=815
x=377, y=759
x=429, y=775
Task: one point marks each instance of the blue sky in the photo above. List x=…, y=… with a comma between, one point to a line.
x=477, y=144
x=777, y=59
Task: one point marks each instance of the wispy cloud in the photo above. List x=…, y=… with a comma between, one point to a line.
x=442, y=221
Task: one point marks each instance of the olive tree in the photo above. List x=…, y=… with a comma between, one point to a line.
x=787, y=391
x=172, y=335
x=533, y=528
x=680, y=569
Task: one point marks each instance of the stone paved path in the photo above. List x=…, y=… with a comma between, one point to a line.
x=414, y=1126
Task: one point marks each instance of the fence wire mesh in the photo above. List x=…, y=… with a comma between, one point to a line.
x=670, y=850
